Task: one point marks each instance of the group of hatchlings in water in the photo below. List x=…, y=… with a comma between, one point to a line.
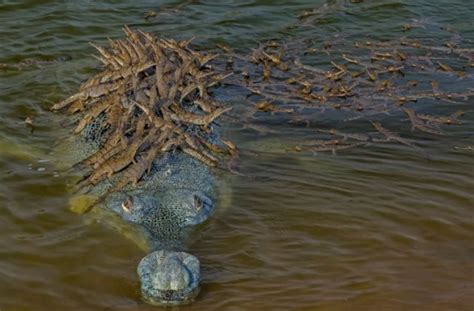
x=154, y=96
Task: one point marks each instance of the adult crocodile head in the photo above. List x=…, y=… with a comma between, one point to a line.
x=168, y=275
x=154, y=210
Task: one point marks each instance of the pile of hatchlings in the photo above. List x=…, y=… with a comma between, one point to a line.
x=152, y=98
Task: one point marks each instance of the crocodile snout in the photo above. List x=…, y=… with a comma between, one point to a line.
x=169, y=278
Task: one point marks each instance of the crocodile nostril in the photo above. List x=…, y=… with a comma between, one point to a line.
x=127, y=204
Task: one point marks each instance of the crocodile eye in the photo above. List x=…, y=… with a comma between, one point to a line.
x=198, y=203
x=127, y=205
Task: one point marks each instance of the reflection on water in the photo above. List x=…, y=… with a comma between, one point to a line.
x=377, y=228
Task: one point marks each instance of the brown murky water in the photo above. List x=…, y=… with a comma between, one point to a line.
x=377, y=228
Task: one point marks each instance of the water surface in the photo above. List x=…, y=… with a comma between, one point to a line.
x=379, y=228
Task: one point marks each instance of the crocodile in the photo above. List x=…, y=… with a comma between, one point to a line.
x=162, y=212
x=146, y=145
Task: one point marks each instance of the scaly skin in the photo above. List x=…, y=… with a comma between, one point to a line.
x=177, y=194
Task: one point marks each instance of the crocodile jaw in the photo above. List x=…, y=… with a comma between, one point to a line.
x=169, y=278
